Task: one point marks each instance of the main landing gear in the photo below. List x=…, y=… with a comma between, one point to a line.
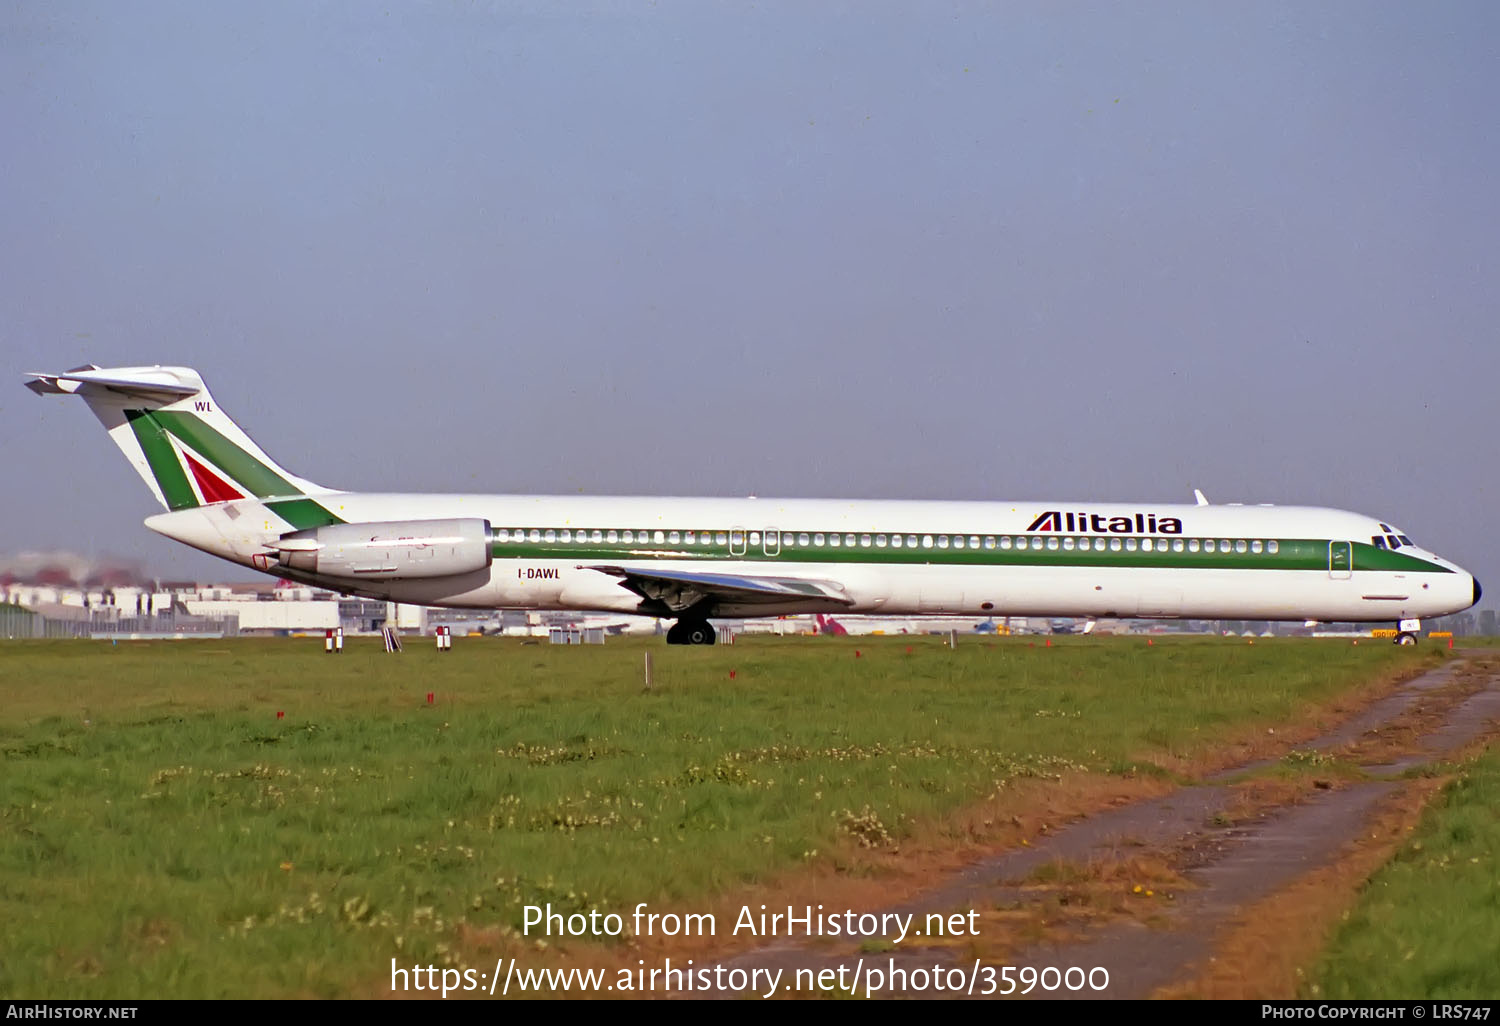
x=691, y=632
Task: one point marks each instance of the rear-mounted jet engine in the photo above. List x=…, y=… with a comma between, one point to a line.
x=397, y=549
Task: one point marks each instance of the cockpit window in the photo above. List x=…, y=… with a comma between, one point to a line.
x=1390, y=538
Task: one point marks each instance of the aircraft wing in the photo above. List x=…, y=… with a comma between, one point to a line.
x=682, y=589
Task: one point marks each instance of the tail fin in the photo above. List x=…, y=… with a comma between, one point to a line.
x=170, y=429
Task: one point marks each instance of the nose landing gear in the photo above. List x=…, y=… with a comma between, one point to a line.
x=1406, y=632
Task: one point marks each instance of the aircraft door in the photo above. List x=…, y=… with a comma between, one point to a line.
x=737, y=541
x=1340, y=560
x=772, y=541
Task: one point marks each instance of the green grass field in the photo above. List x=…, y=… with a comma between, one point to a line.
x=163, y=833
x=1428, y=924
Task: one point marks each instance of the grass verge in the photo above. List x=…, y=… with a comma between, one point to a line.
x=256, y=819
x=1427, y=925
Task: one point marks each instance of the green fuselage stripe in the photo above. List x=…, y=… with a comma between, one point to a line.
x=303, y=513
x=1291, y=554
x=162, y=458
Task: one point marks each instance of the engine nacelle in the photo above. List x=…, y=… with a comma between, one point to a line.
x=395, y=549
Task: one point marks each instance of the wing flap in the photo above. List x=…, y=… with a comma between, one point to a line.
x=680, y=590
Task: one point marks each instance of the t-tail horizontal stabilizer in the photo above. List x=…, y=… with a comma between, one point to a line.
x=185, y=448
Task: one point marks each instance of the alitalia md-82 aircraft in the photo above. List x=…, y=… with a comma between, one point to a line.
x=695, y=559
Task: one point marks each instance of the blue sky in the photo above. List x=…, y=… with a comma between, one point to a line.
x=1070, y=251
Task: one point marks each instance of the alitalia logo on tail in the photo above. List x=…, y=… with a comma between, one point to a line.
x=194, y=464
x=1098, y=523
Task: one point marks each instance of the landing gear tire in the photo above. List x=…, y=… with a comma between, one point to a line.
x=691, y=632
x=1406, y=638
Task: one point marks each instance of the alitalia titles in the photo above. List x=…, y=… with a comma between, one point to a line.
x=1098, y=523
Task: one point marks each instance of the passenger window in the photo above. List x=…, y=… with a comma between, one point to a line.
x=1052, y=544
x=1004, y=541
x=849, y=540
x=1176, y=544
x=755, y=538
x=802, y=539
x=1192, y=545
x=736, y=539
x=958, y=541
x=942, y=541
x=834, y=541
x=926, y=541
x=911, y=541
x=1068, y=544
x=658, y=537
x=1223, y=545
x=503, y=534
x=690, y=538
x=675, y=538
x=612, y=537
x=989, y=541
x=864, y=541
x=535, y=535
x=880, y=541
x=1255, y=546
x=567, y=535
x=721, y=538
x=1114, y=545
x=1036, y=543
x=550, y=536
x=895, y=541
x=1241, y=546
x=1272, y=546
x=1130, y=544
x=1146, y=545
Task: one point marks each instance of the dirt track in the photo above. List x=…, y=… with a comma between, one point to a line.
x=1219, y=889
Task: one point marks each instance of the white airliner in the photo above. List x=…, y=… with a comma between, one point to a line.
x=693, y=559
